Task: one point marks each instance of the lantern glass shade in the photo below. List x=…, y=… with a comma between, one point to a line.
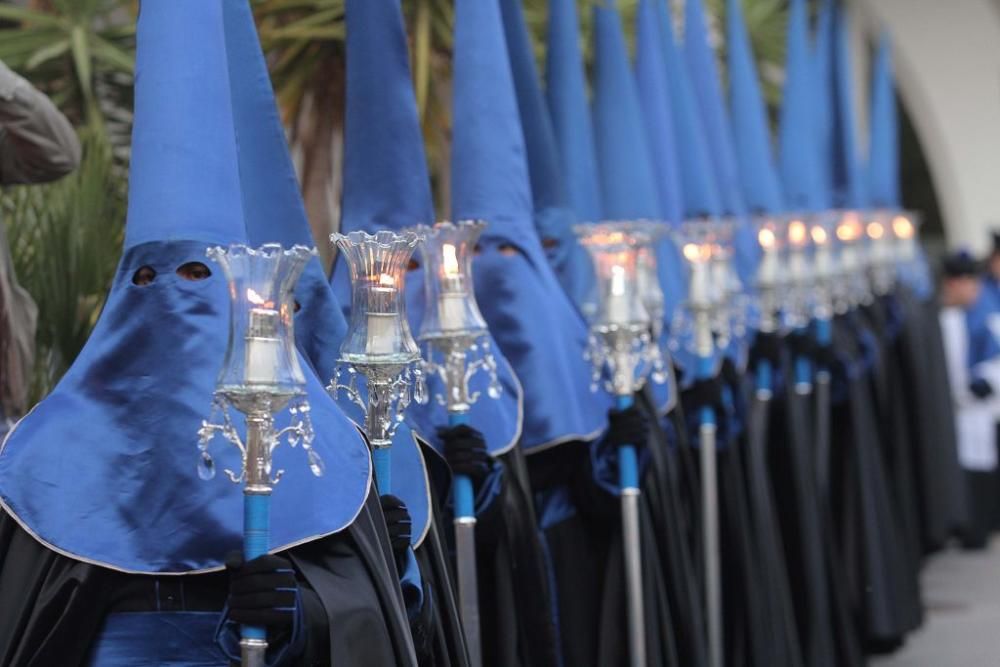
x=260, y=357
x=614, y=250
x=378, y=332
x=451, y=309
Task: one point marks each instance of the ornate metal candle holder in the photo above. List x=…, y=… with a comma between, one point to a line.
x=378, y=345
x=453, y=330
x=852, y=287
x=260, y=377
x=771, y=272
x=621, y=327
x=800, y=277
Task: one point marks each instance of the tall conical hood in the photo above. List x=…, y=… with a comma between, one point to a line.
x=566, y=90
x=272, y=203
x=798, y=142
x=144, y=382
x=822, y=104
x=182, y=180
x=387, y=186
x=848, y=169
x=554, y=216
x=708, y=90
x=707, y=87
x=654, y=98
x=627, y=185
x=538, y=329
x=883, y=150
x=750, y=127
x=698, y=183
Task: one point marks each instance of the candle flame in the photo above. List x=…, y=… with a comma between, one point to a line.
x=449, y=260
x=257, y=299
x=819, y=235
x=875, y=230
x=902, y=227
x=766, y=238
x=692, y=252
x=849, y=228
x=797, y=232
x=618, y=280
x=385, y=280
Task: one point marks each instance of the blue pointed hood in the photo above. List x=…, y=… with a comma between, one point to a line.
x=822, y=105
x=566, y=93
x=698, y=182
x=628, y=188
x=707, y=85
x=124, y=493
x=849, y=189
x=272, y=203
x=654, y=99
x=883, y=151
x=554, y=216
x=750, y=126
x=798, y=146
x=704, y=75
x=387, y=186
x=531, y=317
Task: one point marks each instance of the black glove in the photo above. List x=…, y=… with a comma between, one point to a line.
x=801, y=344
x=465, y=451
x=704, y=393
x=262, y=592
x=766, y=347
x=627, y=427
x=981, y=388
x=400, y=527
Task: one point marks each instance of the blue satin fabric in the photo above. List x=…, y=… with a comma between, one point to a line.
x=553, y=216
x=799, y=149
x=533, y=321
x=104, y=469
x=883, y=151
x=751, y=134
x=544, y=338
x=176, y=639
x=849, y=187
x=387, y=187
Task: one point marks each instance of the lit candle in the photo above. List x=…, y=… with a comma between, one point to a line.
x=617, y=303
x=700, y=288
x=382, y=316
x=768, y=271
x=451, y=301
x=263, y=348
x=822, y=260
x=797, y=237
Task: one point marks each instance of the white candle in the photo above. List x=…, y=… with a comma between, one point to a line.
x=382, y=316
x=617, y=305
x=451, y=301
x=263, y=349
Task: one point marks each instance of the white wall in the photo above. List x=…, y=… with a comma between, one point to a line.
x=947, y=56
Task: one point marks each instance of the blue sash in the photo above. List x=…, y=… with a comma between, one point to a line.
x=160, y=639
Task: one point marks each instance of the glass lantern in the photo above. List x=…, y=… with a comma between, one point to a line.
x=261, y=374
x=453, y=330
x=822, y=233
x=854, y=288
x=378, y=345
x=621, y=325
x=771, y=275
x=698, y=240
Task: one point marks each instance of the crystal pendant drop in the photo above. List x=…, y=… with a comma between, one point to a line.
x=316, y=464
x=420, y=393
x=206, y=466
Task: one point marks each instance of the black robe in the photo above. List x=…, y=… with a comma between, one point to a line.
x=826, y=626
x=871, y=545
x=926, y=392
x=53, y=607
x=585, y=558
